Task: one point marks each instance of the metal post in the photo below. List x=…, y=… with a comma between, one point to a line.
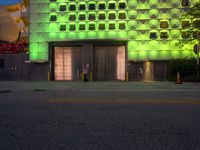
x=197, y=65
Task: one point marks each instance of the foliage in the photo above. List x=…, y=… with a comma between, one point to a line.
x=186, y=67
x=192, y=30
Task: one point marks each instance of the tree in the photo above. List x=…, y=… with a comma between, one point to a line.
x=191, y=28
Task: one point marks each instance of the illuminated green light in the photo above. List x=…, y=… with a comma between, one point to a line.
x=34, y=47
x=175, y=13
x=91, y=34
x=175, y=54
x=62, y=35
x=153, y=23
x=34, y=37
x=173, y=44
x=132, y=24
x=142, y=55
x=132, y=55
x=175, y=23
x=132, y=34
x=132, y=45
x=53, y=27
x=62, y=17
x=61, y=1
x=43, y=47
x=153, y=3
x=175, y=34
x=72, y=35
x=164, y=55
x=41, y=37
x=122, y=34
x=186, y=54
x=112, y=34
x=33, y=56
x=53, y=36
x=132, y=14
x=143, y=25
x=143, y=36
x=153, y=13
x=101, y=35
x=53, y=6
x=42, y=56
x=143, y=15
x=143, y=46
x=82, y=35
x=153, y=55
x=153, y=45
x=132, y=4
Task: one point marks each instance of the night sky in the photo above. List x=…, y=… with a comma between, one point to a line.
x=8, y=2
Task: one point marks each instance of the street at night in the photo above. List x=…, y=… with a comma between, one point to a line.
x=99, y=115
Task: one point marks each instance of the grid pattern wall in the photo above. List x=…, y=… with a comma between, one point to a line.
x=152, y=27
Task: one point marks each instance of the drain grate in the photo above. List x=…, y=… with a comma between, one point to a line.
x=5, y=91
x=39, y=90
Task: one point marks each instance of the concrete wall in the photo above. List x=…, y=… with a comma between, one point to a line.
x=16, y=68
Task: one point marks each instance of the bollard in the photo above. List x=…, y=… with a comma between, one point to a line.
x=82, y=76
x=48, y=76
x=91, y=78
x=126, y=76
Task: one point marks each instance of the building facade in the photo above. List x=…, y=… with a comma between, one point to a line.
x=107, y=39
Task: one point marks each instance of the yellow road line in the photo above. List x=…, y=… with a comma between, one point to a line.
x=124, y=101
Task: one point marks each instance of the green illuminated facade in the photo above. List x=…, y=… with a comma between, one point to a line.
x=151, y=27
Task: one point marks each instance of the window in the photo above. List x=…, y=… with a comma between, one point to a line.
x=102, y=26
x=196, y=34
x=102, y=16
x=53, y=18
x=153, y=35
x=82, y=27
x=122, y=26
x=91, y=16
x=72, y=27
x=122, y=6
x=102, y=6
x=196, y=23
x=62, y=8
x=111, y=26
x=164, y=24
x=122, y=15
x=72, y=7
x=185, y=34
x=112, y=16
x=163, y=35
x=2, y=63
x=185, y=24
x=82, y=7
x=185, y=3
x=111, y=6
x=62, y=27
x=91, y=7
x=72, y=17
x=92, y=26
x=82, y=17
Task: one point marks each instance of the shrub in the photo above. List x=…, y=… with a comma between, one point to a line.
x=187, y=68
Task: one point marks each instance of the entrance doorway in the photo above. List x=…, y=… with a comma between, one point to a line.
x=109, y=63
x=68, y=63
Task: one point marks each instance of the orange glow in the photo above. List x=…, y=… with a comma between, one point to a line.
x=63, y=63
x=121, y=63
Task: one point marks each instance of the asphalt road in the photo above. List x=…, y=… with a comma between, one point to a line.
x=99, y=116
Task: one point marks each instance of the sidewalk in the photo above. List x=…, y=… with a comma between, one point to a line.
x=98, y=86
